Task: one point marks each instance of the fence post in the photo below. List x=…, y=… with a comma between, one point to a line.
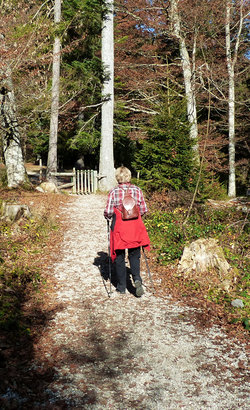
x=74, y=181
x=81, y=181
x=95, y=181
x=40, y=170
x=78, y=181
x=91, y=182
x=88, y=181
x=85, y=182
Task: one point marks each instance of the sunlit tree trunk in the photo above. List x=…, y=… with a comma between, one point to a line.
x=106, y=164
x=231, y=61
x=52, y=154
x=188, y=75
x=12, y=150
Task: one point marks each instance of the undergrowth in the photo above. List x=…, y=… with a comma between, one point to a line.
x=21, y=247
x=229, y=226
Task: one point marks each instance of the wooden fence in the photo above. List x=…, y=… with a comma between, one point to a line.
x=82, y=182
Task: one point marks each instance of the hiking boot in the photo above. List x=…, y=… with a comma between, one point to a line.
x=120, y=293
x=138, y=288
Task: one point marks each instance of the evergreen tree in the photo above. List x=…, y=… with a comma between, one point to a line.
x=165, y=157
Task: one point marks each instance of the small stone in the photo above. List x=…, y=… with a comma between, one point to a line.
x=39, y=189
x=237, y=303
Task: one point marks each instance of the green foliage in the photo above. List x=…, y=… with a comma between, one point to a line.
x=229, y=226
x=84, y=20
x=246, y=323
x=209, y=185
x=164, y=158
x=23, y=30
x=211, y=188
x=169, y=237
x=83, y=12
x=85, y=142
x=38, y=142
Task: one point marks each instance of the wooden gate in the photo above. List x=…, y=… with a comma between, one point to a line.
x=85, y=181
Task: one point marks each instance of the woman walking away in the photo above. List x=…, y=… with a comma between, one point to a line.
x=126, y=233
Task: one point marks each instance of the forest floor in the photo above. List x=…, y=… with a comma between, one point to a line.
x=92, y=351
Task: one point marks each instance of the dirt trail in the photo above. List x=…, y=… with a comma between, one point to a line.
x=128, y=352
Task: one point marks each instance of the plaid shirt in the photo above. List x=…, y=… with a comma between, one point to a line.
x=116, y=196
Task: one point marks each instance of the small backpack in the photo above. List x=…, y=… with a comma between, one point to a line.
x=129, y=209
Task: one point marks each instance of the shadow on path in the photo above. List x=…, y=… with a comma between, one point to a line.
x=107, y=271
x=24, y=379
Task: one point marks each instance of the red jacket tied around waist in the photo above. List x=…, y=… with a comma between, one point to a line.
x=127, y=234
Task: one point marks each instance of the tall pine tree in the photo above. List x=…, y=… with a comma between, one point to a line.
x=165, y=157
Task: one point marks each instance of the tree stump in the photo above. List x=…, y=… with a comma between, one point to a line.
x=13, y=212
x=204, y=261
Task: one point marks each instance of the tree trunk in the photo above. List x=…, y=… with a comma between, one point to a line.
x=16, y=173
x=106, y=164
x=52, y=154
x=231, y=135
x=188, y=78
x=231, y=104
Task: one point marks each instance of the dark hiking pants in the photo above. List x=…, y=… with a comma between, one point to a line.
x=134, y=255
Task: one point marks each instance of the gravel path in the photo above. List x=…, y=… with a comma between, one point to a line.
x=125, y=352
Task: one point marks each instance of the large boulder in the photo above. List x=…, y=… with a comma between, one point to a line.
x=204, y=261
x=48, y=187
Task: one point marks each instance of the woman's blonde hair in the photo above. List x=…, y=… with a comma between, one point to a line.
x=122, y=175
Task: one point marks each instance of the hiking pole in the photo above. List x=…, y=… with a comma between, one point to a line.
x=149, y=274
x=109, y=256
